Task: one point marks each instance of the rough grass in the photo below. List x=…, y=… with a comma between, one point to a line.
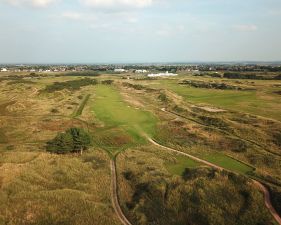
x=51, y=189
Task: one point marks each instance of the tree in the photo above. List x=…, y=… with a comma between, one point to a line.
x=72, y=140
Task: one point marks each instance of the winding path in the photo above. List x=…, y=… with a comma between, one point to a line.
x=265, y=191
x=114, y=195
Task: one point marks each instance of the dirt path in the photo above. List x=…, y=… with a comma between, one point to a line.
x=261, y=187
x=114, y=195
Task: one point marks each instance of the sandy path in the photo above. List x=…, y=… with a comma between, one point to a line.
x=114, y=195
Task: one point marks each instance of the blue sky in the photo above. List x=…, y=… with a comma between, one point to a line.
x=115, y=31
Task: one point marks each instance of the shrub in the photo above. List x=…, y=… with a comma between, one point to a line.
x=54, y=111
x=277, y=139
x=107, y=82
x=82, y=73
x=163, y=97
x=72, y=141
x=70, y=85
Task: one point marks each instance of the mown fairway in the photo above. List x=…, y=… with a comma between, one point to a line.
x=227, y=162
x=179, y=164
x=121, y=118
x=254, y=102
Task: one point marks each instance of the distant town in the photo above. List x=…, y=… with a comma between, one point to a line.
x=148, y=69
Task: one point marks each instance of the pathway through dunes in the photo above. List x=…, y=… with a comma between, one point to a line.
x=114, y=191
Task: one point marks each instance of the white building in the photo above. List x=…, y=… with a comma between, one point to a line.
x=167, y=74
x=196, y=72
x=119, y=70
x=141, y=71
x=4, y=70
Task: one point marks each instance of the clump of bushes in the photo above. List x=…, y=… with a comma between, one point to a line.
x=83, y=73
x=163, y=97
x=54, y=111
x=107, y=82
x=277, y=138
x=232, y=144
x=200, y=196
x=276, y=198
x=210, y=85
x=235, y=75
x=73, y=140
x=138, y=87
x=178, y=109
x=212, y=121
x=70, y=85
x=21, y=81
x=134, y=86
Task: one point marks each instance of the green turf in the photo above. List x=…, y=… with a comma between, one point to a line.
x=227, y=162
x=178, y=166
x=109, y=108
x=253, y=102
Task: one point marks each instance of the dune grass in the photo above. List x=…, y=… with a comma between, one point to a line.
x=51, y=189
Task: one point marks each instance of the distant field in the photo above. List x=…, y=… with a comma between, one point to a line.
x=110, y=109
x=256, y=102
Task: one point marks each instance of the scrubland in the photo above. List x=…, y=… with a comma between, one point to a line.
x=239, y=130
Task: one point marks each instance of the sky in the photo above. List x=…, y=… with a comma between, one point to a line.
x=139, y=31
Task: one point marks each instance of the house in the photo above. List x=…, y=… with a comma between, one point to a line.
x=196, y=72
x=167, y=74
x=141, y=71
x=119, y=70
x=4, y=70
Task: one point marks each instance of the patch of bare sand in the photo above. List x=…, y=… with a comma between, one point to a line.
x=210, y=109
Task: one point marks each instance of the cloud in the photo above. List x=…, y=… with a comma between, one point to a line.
x=170, y=31
x=33, y=3
x=72, y=15
x=275, y=12
x=246, y=27
x=117, y=3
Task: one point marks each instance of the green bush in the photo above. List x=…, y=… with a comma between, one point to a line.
x=70, y=85
x=107, y=82
x=163, y=97
x=72, y=141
